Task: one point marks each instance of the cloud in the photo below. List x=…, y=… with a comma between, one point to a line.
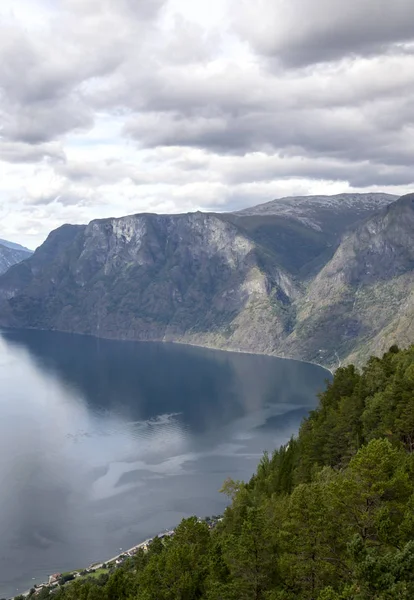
x=378, y=131
x=303, y=32
x=20, y=152
x=109, y=108
x=46, y=74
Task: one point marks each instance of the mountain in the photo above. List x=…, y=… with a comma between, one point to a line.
x=10, y=254
x=194, y=278
x=305, y=231
x=362, y=301
x=14, y=246
x=332, y=214
x=330, y=281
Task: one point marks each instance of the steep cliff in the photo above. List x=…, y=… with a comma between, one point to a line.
x=305, y=231
x=362, y=301
x=261, y=283
x=193, y=278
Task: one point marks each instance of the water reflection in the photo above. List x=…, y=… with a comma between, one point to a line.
x=104, y=443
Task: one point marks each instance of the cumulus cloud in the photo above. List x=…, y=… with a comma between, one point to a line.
x=20, y=152
x=108, y=108
x=302, y=32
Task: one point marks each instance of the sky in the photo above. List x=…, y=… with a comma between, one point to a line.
x=110, y=108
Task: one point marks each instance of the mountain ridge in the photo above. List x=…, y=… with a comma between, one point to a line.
x=115, y=264
x=254, y=283
x=14, y=246
x=11, y=254
x=361, y=290
x=316, y=211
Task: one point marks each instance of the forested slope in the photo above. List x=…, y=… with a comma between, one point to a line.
x=330, y=516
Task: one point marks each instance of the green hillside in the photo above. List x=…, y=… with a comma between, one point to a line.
x=330, y=516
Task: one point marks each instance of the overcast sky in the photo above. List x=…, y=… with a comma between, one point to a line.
x=112, y=107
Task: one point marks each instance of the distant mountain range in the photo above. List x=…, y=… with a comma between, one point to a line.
x=15, y=246
x=320, y=278
x=11, y=254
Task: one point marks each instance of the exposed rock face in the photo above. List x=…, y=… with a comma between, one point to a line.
x=262, y=283
x=192, y=277
x=305, y=231
x=361, y=301
x=11, y=254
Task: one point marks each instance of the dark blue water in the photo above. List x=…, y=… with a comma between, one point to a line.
x=103, y=444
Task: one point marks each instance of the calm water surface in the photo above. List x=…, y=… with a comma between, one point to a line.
x=103, y=444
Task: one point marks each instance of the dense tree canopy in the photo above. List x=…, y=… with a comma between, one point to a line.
x=329, y=516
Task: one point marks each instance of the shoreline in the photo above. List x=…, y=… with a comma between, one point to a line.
x=238, y=351
x=178, y=342
x=112, y=562
x=99, y=565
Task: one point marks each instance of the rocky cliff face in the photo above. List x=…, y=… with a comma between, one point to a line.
x=193, y=278
x=11, y=254
x=305, y=231
x=247, y=282
x=361, y=301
